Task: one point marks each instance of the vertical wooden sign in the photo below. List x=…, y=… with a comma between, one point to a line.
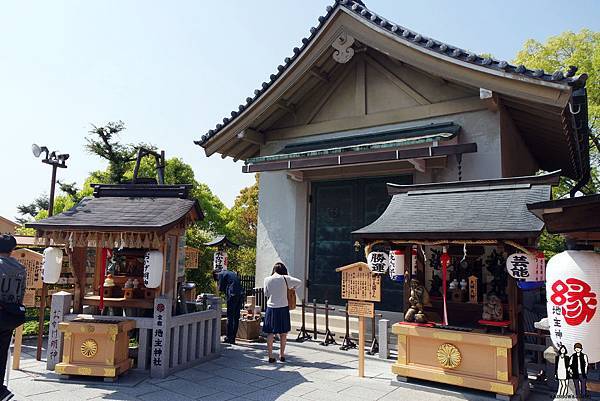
x=472, y=289
x=360, y=284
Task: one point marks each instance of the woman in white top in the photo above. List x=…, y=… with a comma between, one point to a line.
x=561, y=371
x=277, y=317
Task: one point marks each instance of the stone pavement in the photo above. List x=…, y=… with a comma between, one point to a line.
x=311, y=373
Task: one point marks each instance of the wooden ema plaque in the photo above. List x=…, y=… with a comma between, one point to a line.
x=359, y=283
x=361, y=287
x=359, y=308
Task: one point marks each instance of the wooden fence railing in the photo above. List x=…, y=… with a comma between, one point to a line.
x=166, y=343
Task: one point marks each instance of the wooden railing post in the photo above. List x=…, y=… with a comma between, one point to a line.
x=60, y=306
x=214, y=303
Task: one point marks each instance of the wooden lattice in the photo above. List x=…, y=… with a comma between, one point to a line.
x=192, y=256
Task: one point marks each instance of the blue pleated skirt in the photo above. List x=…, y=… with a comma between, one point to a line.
x=277, y=320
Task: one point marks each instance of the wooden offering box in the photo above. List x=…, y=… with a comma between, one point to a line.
x=95, y=347
x=462, y=358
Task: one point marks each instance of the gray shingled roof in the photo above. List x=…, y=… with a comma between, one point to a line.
x=148, y=208
x=485, y=209
x=359, y=9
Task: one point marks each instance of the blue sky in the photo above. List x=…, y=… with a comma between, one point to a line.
x=171, y=70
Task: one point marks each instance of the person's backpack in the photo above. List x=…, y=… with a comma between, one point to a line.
x=291, y=296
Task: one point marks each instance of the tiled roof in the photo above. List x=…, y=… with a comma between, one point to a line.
x=496, y=209
x=359, y=9
x=125, y=207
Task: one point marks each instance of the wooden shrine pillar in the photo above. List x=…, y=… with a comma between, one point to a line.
x=407, y=276
x=77, y=262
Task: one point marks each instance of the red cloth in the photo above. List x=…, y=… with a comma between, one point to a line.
x=445, y=259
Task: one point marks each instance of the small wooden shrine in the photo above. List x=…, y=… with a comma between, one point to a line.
x=451, y=241
x=131, y=238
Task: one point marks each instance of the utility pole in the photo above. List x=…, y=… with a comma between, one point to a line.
x=56, y=160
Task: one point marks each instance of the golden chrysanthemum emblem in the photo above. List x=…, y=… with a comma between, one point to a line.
x=448, y=356
x=89, y=348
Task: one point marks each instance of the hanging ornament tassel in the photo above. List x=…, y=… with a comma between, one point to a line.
x=444, y=260
x=464, y=252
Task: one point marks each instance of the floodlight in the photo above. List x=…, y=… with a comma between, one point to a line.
x=37, y=151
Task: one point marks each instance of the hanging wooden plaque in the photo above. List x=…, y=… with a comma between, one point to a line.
x=360, y=308
x=359, y=283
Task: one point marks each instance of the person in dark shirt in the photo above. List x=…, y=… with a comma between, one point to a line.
x=12, y=289
x=230, y=286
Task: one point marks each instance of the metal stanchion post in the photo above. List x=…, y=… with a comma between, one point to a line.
x=314, y=319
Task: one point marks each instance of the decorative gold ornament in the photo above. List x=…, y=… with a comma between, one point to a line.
x=448, y=356
x=89, y=348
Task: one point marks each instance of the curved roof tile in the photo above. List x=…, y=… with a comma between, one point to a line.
x=359, y=9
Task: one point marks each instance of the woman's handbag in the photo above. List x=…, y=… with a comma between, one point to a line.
x=11, y=316
x=291, y=296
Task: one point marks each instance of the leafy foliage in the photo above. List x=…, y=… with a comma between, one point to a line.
x=581, y=49
x=102, y=142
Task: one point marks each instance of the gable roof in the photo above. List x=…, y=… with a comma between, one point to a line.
x=463, y=210
x=126, y=208
x=7, y=221
x=416, y=40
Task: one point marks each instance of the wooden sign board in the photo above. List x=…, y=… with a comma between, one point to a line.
x=359, y=308
x=473, y=290
x=32, y=261
x=359, y=283
x=29, y=298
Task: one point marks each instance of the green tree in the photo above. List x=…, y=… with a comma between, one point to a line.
x=242, y=225
x=581, y=49
x=102, y=142
x=560, y=52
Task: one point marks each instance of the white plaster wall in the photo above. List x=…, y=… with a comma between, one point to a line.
x=281, y=231
x=283, y=203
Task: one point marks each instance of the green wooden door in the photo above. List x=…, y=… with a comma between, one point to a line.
x=337, y=209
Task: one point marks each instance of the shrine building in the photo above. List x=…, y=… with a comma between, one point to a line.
x=362, y=102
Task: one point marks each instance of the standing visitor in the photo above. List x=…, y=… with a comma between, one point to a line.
x=561, y=371
x=229, y=284
x=277, y=317
x=12, y=312
x=579, y=369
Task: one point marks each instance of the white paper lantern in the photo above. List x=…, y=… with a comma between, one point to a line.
x=378, y=262
x=153, y=269
x=413, y=261
x=522, y=266
x=572, y=291
x=396, y=269
x=52, y=265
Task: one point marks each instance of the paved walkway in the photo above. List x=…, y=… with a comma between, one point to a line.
x=311, y=372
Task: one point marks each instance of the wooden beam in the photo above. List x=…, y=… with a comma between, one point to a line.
x=490, y=99
x=416, y=96
x=77, y=258
x=320, y=75
x=419, y=164
x=284, y=105
x=333, y=85
x=387, y=117
x=242, y=150
x=249, y=152
x=252, y=136
x=228, y=146
x=360, y=95
x=297, y=176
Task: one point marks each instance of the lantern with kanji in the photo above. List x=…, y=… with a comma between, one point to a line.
x=153, y=269
x=396, y=269
x=220, y=261
x=52, y=265
x=378, y=262
x=572, y=290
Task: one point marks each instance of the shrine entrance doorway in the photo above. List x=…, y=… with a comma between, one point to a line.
x=337, y=208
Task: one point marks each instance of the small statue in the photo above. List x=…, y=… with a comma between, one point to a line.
x=492, y=308
x=418, y=298
x=136, y=283
x=128, y=283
